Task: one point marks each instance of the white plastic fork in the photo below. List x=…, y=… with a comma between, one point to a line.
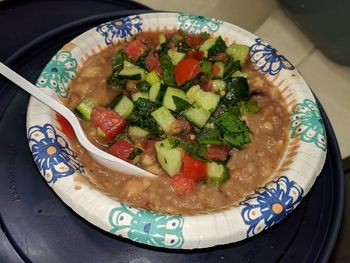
x=102, y=157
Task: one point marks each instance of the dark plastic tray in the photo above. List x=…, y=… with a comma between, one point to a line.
x=37, y=226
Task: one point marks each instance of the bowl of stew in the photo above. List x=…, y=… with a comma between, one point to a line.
x=225, y=122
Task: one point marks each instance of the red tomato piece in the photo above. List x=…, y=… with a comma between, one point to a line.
x=182, y=184
x=195, y=54
x=194, y=169
x=108, y=121
x=216, y=69
x=217, y=153
x=121, y=149
x=149, y=149
x=186, y=69
x=65, y=126
x=152, y=63
x=135, y=49
x=193, y=40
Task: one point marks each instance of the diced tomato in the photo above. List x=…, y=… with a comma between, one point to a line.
x=65, y=126
x=121, y=149
x=217, y=153
x=182, y=184
x=194, y=169
x=195, y=54
x=216, y=69
x=135, y=49
x=149, y=149
x=108, y=121
x=186, y=69
x=193, y=40
x=152, y=63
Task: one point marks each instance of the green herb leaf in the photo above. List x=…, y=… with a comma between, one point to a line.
x=231, y=67
x=143, y=86
x=181, y=104
x=134, y=153
x=141, y=60
x=237, y=90
x=194, y=149
x=206, y=67
x=141, y=115
x=163, y=49
x=168, y=70
x=218, y=47
x=231, y=123
x=237, y=139
x=210, y=136
x=235, y=131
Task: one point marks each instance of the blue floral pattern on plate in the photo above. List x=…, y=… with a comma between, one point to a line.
x=120, y=28
x=267, y=59
x=270, y=204
x=58, y=72
x=52, y=154
x=147, y=227
x=307, y=124
x=198, y=24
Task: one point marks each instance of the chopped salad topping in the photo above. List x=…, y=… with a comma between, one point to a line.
x=185, y=94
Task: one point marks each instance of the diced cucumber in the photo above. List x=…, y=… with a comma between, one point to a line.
x=168, y=97
x=152, y=77
x=206, y=100
x=127, y=64
x=238, y=52
x=221, y=66
x=137, y=132
x=213, y=46
x=193, y=93
x=137, y=95
x=217, y=174
x=240, y=74
x=162, y=39
x=131, y=72
x=164, y=118
x=124, y=107
x=100, y=132
x=175, y=56
x=197, y=116
x=85, y=108
x=157, y=91
x=218, y=85
x=207, y=45
x=169, y=158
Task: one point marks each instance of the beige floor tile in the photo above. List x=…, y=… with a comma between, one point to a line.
x=331, y=84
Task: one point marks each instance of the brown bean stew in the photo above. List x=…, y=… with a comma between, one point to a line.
x=187, y=108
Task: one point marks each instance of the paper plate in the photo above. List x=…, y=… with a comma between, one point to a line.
x=59, y=165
